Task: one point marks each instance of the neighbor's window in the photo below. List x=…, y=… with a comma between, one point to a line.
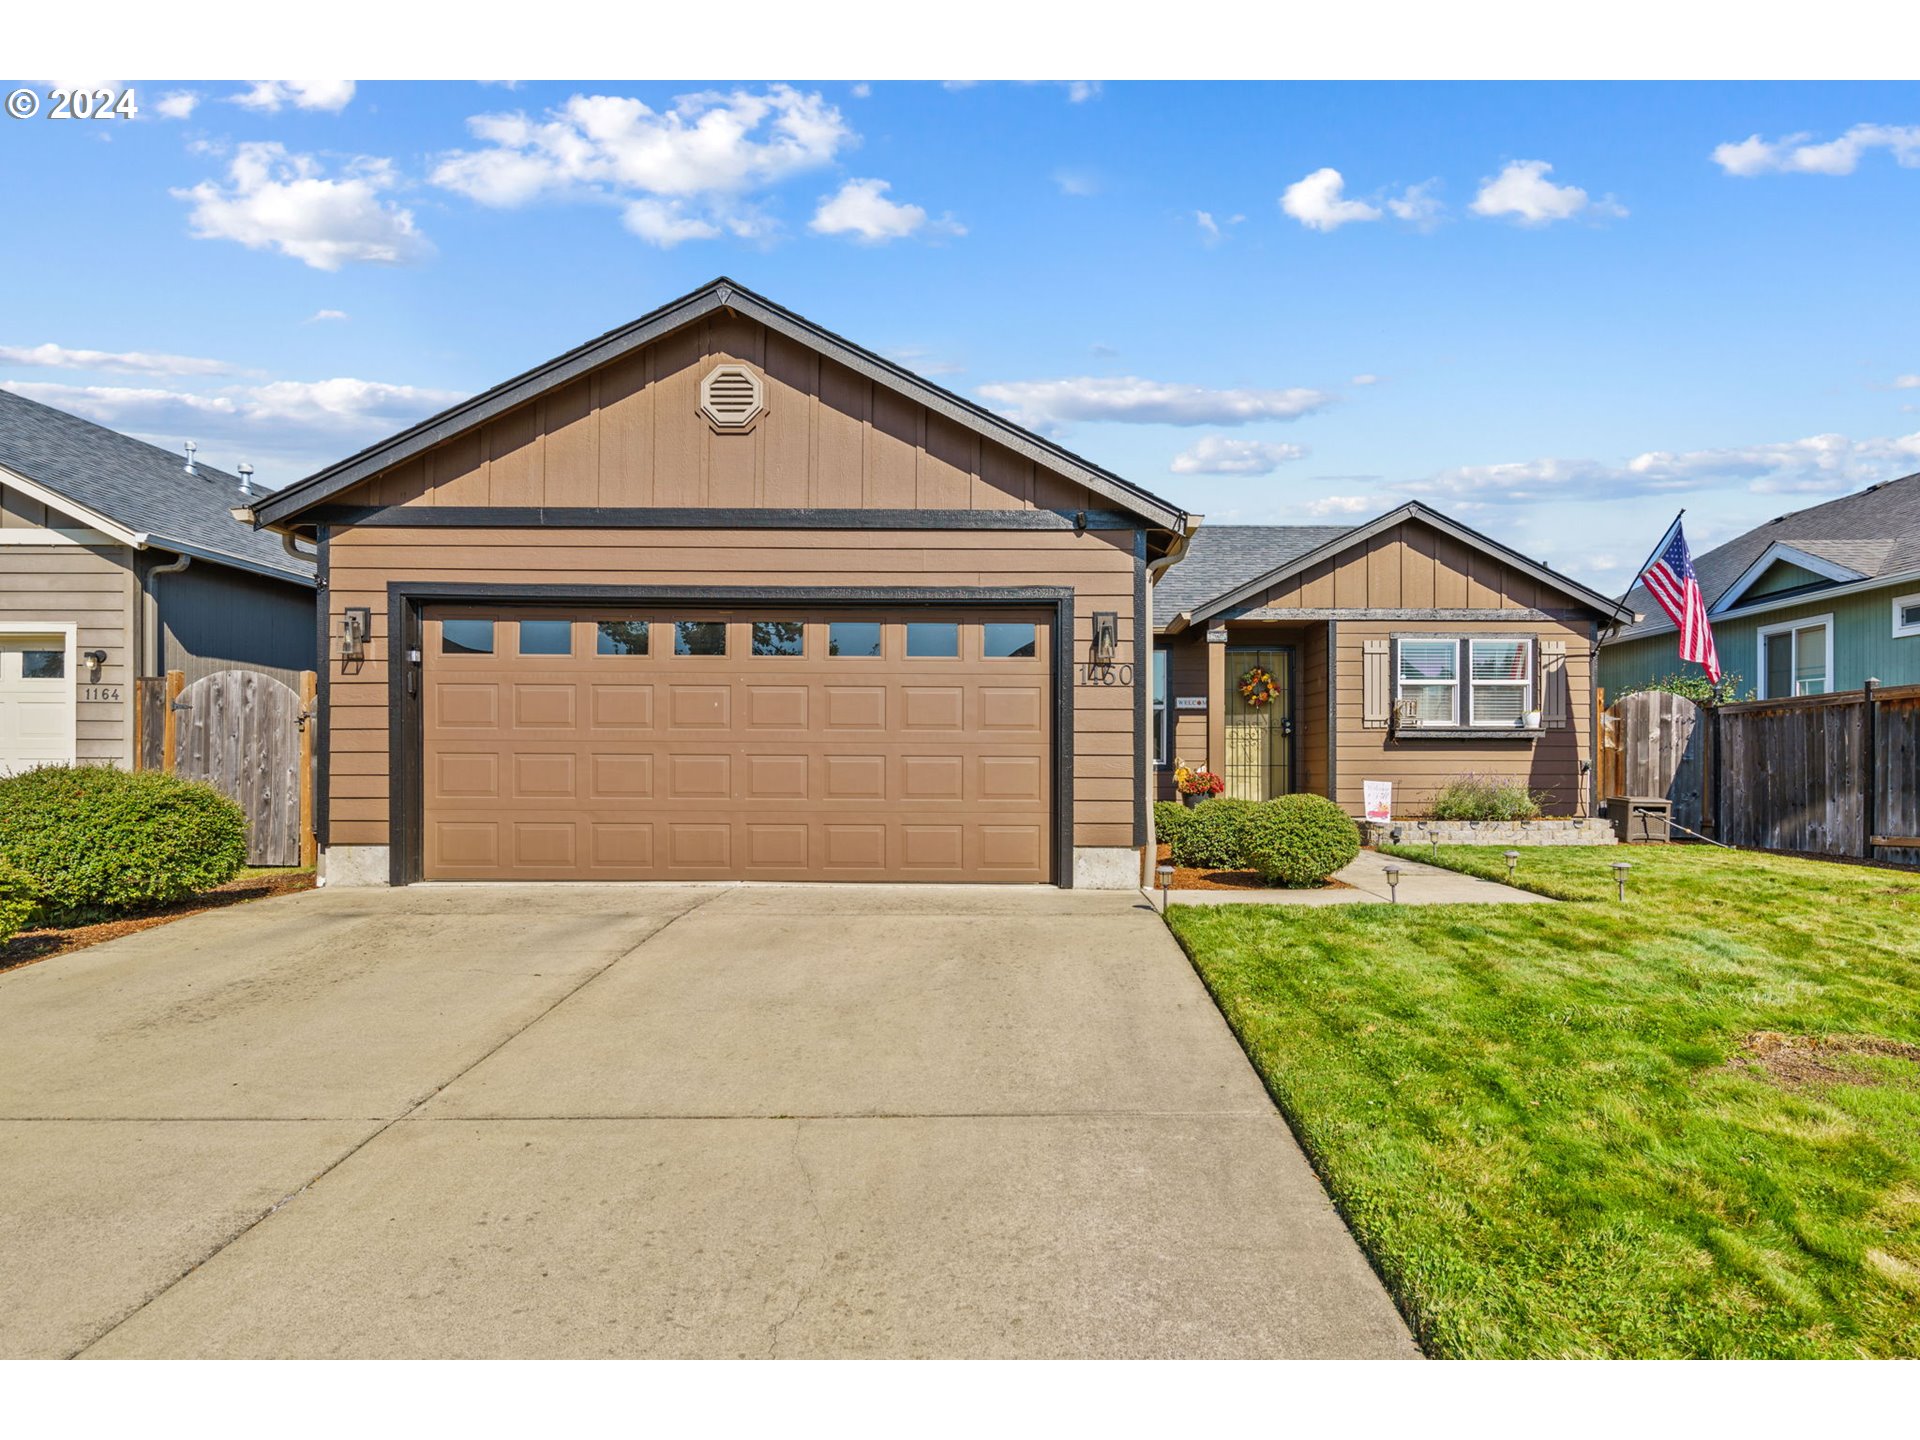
x=778, y=637
x=1160, y=736
x=1502, y=676
x=1796, y=658
x=621, y=637
x=699, y=637
x=858, y=639
x=43, y=664
x=1009, y=641
x=1429, y=680
x=546, y=637
x=1906, y=615
x=933, y=640
x=466, y=637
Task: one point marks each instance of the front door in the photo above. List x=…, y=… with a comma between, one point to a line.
x=36, y=703
x=1259, y=730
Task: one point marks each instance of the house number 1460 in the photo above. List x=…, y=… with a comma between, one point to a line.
x=1103, y=675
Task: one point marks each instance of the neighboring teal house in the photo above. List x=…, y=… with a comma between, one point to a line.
x=1805, y=604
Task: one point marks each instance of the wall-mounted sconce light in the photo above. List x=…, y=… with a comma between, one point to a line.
x=1106, y=636
x=356, y=623
x=95, y=659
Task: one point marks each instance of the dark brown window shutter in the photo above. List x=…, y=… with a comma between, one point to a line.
x=1376, y=683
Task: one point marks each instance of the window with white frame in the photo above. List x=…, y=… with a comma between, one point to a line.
x=1474, y=682
x=1162, y=741
x=1796, y=658
x=1906, y=615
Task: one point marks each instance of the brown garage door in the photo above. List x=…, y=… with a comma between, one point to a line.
x=768, y=744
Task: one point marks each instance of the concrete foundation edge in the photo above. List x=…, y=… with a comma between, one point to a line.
x=352, y=865
x=1106, y=867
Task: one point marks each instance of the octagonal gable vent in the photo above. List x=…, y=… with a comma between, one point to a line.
x=731, y=396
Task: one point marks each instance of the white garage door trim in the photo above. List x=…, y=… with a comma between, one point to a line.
x=12, y=755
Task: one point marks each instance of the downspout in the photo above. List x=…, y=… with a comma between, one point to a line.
x=1155, y=569
x=151, y=639
x=287, y=544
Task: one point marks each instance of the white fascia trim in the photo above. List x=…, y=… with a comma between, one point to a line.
x=1793, y=555
x=1761, y=607
x=34, y=490
x=1787, y=627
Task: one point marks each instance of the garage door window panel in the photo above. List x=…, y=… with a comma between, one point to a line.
x=546, y=637
x=854, y=640
x=1009, y=640
x=700, y=637
x=466, y=637
x=933, y=640
x=779, y=638
x=620, y=637
x=43, y=664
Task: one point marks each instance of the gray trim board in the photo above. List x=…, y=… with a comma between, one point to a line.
x=1282, y=616
x=407, y=599
x=1333, y=712
x=478, y=517
x=717, y=295
x=323, y=691
x=1142, y=687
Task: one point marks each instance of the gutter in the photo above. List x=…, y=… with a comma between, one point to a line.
x=144, y=540
x=1784, y=602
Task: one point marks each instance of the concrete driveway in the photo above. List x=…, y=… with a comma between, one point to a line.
x=584, y=1121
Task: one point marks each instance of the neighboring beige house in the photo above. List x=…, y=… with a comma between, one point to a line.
x=1410, y=649
x=117, y=561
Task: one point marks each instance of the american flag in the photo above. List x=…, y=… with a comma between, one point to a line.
x=1674, y=586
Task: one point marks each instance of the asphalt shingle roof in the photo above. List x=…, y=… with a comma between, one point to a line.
x=134, y=484
x=1875, y=531
x=1222, y=558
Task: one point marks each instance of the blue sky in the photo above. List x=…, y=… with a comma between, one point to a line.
x=1557, y=311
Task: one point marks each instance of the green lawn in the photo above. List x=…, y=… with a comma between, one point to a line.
x=1539, y=1123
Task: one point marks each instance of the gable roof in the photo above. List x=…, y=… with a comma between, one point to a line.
x=136, y=492
x=1338, y=540
x=1221, y=557
x=1871, y=536
x=721, y=294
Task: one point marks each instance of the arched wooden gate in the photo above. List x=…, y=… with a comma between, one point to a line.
x=243, y=733
x=1654, y=744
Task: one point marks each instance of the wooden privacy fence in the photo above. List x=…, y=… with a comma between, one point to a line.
x=1817, y=775
x=251, y=737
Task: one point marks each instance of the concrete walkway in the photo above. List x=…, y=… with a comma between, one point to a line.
x=1365, y=883
x=586, y=1121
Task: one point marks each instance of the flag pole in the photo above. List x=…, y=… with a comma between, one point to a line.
x=1652, y=555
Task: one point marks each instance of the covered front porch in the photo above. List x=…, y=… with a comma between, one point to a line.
x=1250, y=701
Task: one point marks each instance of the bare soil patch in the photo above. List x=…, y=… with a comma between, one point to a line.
x=1189, y=877
x=1796, y=1060
x=31, y=946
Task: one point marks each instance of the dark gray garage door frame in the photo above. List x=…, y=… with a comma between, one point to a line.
x=406, y=606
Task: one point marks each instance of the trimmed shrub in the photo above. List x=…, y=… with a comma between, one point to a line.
x=1210, y=837
x=1298, y=840
x=19, y=898
x=1169, y=819
x=99, y=842
x=1484, y=797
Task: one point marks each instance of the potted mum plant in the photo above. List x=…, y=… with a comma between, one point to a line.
x=1196, y=785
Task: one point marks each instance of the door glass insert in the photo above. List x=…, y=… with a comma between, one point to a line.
x=1006, y=640
x=43, y=664
x=546, y=637
x=1259, y=735
x=1810, y=660
x=858, y=639
x=778, y=637
x=933, y=640
x=466, y=637
x=621, y=637
x=699, y=637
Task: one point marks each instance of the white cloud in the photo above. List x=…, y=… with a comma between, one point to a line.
x=861, y=90
x=326, y=315
x=1364, y=380
x=1223, y=455
x=1077, y=183
x=1081, y=91
x=1818, y=464
x=301, y=424
x=860, y=208
x=1799, y=154
x=280, y=201
x=177, y=104
x=1318, y=203
x=1131, y=400
x=923, y=361
x=273, y=95
x=1417, y=205
x=665, y=223
x=1342, y=505
x=1906, y=382
x=1213, y=230
x=1523, y=191
x=126, y=362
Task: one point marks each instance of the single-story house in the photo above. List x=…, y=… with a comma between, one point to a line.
x=119, y=559
x=723, y=595
x=1409, y=649
x=1811, y=602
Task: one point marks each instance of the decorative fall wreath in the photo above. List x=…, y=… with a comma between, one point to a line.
x=1258, y=688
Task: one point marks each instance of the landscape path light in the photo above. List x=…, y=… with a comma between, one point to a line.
x=1393, y=884
x=1165, y=874
x=1620, y=868
x=1513, y=859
